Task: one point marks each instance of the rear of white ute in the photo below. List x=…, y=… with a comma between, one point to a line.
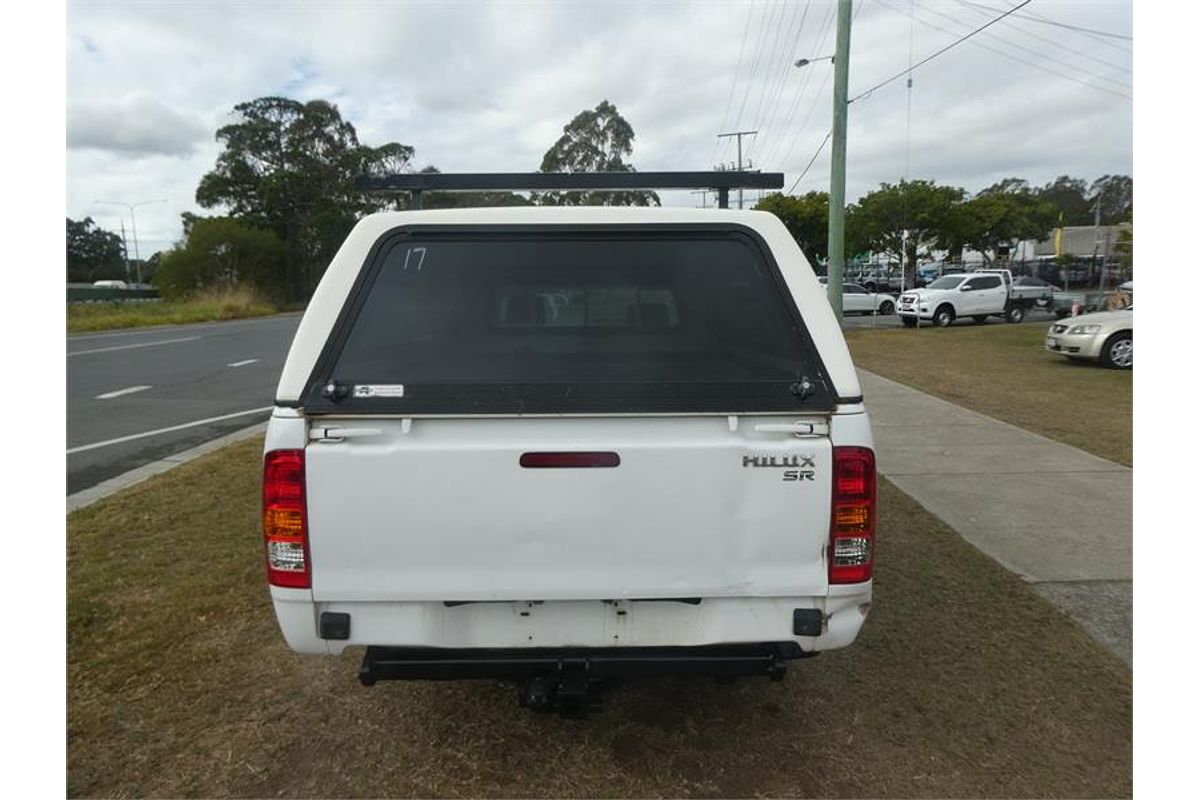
x=557, y=446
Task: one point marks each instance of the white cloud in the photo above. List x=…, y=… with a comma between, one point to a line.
x=136, y=126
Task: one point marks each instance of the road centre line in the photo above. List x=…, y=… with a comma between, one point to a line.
x=131, y=346
x=242, y=363
x=120, y=392
x=134, y=436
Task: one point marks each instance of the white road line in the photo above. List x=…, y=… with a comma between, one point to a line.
x=131, y=438
x=119, y=392
x=242, y=363
x=131, y=346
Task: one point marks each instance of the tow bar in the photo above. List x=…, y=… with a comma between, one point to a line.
x=571, y=680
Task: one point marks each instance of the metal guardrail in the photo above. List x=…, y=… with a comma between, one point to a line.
x=96, y=294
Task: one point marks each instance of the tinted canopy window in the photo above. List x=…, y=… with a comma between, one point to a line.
x=570, y=322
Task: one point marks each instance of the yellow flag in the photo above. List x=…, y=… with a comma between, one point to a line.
x=1058, y=234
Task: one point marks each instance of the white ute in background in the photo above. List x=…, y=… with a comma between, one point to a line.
x=560, y=445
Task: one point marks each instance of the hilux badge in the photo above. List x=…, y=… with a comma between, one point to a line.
x=778, y=461
x=788, y=464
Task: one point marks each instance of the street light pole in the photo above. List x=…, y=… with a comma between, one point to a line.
x=133, y=218
x=837, y=168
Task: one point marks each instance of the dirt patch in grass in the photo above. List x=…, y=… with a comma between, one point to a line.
x=1004, y=372
x=964, y=683
x=210, y=306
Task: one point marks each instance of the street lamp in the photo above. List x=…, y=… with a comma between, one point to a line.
x=804, y=62
x=131, y=206
x=837, y=165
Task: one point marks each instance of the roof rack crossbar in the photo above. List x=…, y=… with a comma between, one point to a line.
x=720, y=181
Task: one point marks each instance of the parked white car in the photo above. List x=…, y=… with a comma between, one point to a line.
x=1105, y=336
x=857, y=300
x=557, y=445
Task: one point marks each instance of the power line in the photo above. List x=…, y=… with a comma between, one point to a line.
x=1048, y=21
x=1026, y=62
x=1060, y=45
x=758, y=51
x=791, y=41
x=820, y=147
x=1038, y=53
x=939, y=52
x=733, y=85
x=826, y=28
x=771, y=59
x=992, y=49
x=777, y=144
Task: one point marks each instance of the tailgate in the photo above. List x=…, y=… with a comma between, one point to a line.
x=442, y=509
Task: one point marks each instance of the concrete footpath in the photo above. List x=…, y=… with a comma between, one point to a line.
x=1059, y=517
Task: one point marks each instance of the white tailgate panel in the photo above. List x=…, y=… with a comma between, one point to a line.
x=445, y=511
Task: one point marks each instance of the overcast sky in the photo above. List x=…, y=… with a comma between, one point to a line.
x=477, y=86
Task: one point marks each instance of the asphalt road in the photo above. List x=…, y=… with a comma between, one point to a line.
x=197, y=381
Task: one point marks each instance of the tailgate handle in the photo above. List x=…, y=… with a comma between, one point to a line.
x=338, y=434
x=794, y=428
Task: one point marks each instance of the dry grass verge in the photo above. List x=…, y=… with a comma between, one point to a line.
x=1002, y=371
x=964, y=683
x=210, y=306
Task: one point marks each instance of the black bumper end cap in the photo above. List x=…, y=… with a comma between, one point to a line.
x=807, y=622
x=334, y=625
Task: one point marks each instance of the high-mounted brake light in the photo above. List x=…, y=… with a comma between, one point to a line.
x=285, y=527
x=569, y=460
x=852, y=519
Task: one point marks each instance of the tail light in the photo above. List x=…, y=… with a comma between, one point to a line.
x=852, y=520
x=285, y=528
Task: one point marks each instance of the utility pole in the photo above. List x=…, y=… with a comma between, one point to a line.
x=837, y=167
x=739, y=135
x=703, y=197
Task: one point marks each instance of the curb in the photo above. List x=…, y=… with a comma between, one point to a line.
x=111, y=486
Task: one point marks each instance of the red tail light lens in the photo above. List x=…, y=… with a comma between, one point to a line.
x=285, y=527
x=852, y=518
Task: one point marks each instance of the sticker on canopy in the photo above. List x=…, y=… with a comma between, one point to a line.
x=379, y=390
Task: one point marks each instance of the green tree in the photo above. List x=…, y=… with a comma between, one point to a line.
x=1070, y=197
x=806, y=217
x=1114, y=193
x=93, y=254
x=596, y=140
x=1004, y=214
x=289, y=167
x=904, y=221
x=220, y=251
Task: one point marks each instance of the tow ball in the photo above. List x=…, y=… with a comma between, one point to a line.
x=571, y=693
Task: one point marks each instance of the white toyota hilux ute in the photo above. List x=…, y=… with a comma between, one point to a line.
x=560, y=445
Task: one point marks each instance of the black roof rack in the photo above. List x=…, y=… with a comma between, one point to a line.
x=720, y=181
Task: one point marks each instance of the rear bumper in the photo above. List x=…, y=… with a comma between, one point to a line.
x=605, y=624
x=517, y=664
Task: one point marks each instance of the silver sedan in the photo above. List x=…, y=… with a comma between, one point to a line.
x=1105, y=336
